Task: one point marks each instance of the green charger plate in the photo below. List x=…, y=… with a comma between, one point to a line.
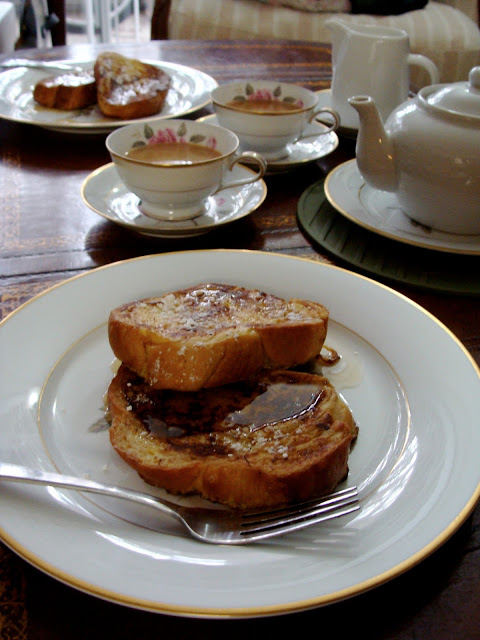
x=375, y=255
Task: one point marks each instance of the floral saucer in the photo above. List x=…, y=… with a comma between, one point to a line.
x=105, y=193
x=301, y=152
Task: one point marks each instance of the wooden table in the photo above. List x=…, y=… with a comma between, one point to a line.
x=47, y=235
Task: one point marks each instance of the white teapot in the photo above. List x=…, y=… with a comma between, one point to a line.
x=428, y=153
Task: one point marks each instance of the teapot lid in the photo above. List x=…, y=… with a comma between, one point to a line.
x=461, y=98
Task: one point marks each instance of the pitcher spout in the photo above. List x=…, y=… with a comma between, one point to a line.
x=375, y=149
x=337, y=26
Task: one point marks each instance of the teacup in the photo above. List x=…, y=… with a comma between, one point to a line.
x=174, y=166
x=268, y=116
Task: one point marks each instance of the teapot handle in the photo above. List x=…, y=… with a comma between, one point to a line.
x=417, y=60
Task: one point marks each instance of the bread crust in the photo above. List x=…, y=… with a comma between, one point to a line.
x=214, y=334
x=128, y=88
x=222, y=445
x=67, y=91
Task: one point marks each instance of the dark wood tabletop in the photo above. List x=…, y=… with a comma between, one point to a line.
x=47, y=234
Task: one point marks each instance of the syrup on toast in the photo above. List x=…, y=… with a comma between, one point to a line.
x=280, y=437
x=214, y=334
x=128, y=88
x=67, y=91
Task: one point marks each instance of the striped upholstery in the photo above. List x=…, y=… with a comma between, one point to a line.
x=440, y=31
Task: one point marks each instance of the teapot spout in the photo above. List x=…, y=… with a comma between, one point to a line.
x=375, y=149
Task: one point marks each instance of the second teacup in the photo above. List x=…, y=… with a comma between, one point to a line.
x=267, y=116
x=173, y=166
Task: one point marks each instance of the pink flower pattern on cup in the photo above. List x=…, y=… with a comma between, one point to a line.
x=164, y=135
x=262, y=93
x=170, y=135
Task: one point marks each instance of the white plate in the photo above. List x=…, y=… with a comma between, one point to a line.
x=105, y=193
x=190, y=90
x=379, y=211
x=415, y=461
x=300, y=152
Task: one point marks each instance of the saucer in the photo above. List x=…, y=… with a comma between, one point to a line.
x=302, y=151
x=106, y=194
x=379, y=211
x=382, y=258
x=325, y=100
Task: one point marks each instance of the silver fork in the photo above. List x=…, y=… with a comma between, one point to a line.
x=208, y=525
x=47, y=65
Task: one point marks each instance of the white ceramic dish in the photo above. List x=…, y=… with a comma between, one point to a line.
x=301, y=152
x=379, y=211
x=416, y=459
x=105, y=193
x=190, y=90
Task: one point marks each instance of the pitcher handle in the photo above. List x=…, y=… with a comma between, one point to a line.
x=416, y=59
x=250, y=156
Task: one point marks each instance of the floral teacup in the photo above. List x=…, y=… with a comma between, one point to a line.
x=173, y=166
x=267, y=116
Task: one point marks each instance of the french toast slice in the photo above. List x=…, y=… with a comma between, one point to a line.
x=280, y=437
x=67, y=91
x=128, y=88
x=213, y=334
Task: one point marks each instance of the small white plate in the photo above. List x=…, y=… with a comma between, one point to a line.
x=301, y=152
x=379, y=211
x=415, y=460
x=325, y=100
x=190, y=90
x=105, y=193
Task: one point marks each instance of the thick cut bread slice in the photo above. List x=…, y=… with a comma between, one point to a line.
x=72, y=90
x=284, y=436
x=214, y=334
x=128, y=88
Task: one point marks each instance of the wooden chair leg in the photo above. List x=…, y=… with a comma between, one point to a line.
x=58, y=30
x=159, y=24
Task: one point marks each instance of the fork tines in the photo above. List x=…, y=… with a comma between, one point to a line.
x=298, y=515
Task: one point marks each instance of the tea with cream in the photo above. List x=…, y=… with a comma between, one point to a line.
x=175, y=153
x=264, y=106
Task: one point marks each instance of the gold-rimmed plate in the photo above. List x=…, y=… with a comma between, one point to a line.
x=415, y=461
x=379, y=211
x=189, y=91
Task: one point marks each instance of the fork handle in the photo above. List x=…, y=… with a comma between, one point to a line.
x=17, y=473
x=39, y=64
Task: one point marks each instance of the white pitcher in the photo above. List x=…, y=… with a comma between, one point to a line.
x=373, y=61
